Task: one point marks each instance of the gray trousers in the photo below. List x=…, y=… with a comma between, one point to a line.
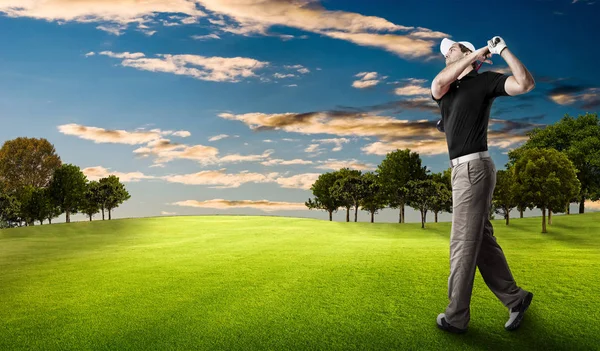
x=473, y=244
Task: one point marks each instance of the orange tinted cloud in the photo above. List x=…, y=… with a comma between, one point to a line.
x=264, y=205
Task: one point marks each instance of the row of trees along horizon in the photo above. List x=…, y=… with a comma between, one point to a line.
x=558, y=165
x=36, y=186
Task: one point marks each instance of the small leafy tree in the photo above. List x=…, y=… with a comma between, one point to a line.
x=442, y=203
x=67, y=189
x=324, y=199
x=424, y=194
x=349, y=189
x=9, y=210
x=546, y=178
x=395, y=171
x=504, y=194
x=373, y=198
x=35, y=204
x=116, y=193
x=91, y=203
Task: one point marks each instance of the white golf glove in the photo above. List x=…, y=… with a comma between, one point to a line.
x=496, y=45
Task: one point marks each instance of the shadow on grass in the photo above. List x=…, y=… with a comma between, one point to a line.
x=532, y=335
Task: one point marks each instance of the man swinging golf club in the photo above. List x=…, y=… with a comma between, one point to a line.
x=465, y=98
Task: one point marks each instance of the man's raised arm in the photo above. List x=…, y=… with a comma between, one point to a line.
x=521, y=81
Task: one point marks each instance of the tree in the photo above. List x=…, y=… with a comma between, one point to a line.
x=103, y=193
x=443, y=203
x=9, y=210
x=43, y=205
x=53, y=209
x=67, y=189
x=349, y=189
x=504, y=194
x=27, y=161
x=423, y=195
x=35, y=204
x=373, y=198
x=579, y=139
x=546, y=178
x=395, y=171
x=117, y=194
x=91, y=203
x=24, y=195
x=324, y=199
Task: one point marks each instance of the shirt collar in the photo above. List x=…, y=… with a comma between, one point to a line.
x=472, y=73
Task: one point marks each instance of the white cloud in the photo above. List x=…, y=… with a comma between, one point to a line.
x=163, y=150
x=98, y=172
x=235, y=158
x=264, y=205
x=122, y=55
x=314, y=150
x=425, y=33
x=412, y=90
x=206, y=37
x=339, y=164
x=361, y=84
x=218, y=137
x=403, y=46
x=112, y=29
x=337, y=141
x=182, y=133
x=148, y=32
x=281, y=75
x=368, y=79
x=590, y=96
x=367, y=75
x=256, y=16
x=278, y=161
x=220, y=179
x=418, y=135
x=165, y=213
x=299, y=181
x=101, y=135
x=243, y=17
x=216, y=69
x=116, y=14
x=423, y=147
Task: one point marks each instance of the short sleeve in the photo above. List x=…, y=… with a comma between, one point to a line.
x=495, y=84
x=436, y=100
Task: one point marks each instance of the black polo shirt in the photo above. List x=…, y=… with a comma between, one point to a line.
x=465, y=110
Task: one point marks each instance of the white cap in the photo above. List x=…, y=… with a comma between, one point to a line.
x=447, y=43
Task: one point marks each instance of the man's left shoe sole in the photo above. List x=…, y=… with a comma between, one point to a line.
x=455, y=331
x=515, y=325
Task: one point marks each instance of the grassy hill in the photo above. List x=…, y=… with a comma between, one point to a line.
x=238, y=282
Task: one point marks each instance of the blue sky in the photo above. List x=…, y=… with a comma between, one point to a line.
x=193, y=102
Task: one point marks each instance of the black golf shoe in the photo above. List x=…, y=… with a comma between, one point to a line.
x=516, y=313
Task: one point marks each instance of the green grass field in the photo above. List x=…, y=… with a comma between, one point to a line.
x=247, y=283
